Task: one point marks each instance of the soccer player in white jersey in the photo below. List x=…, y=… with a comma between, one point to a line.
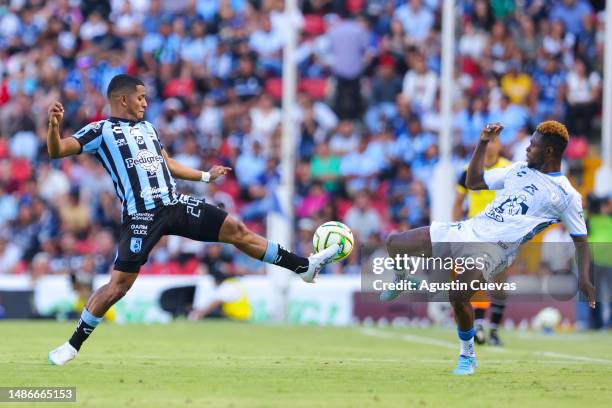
x=532, y=196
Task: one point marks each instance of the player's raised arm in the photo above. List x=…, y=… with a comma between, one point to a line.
x=183, y=172
x=474, y=179
x=56, y=146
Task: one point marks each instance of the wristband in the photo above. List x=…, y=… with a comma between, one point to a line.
x=205, y=177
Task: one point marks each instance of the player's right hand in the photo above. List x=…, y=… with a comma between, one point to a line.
x=56, y=113
x=588, y=290
x=491, y=131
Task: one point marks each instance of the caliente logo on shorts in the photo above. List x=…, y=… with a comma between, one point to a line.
x=146, y=160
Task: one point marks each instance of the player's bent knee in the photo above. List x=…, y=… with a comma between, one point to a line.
x=233, y=231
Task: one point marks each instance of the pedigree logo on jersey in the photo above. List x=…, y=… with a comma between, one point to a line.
x=146, y=160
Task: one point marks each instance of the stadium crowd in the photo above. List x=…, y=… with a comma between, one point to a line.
x=367, y=113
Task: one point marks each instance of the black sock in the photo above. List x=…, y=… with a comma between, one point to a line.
x=289, y=260
x=81, y=333
x=479, y=314
x=497, y=312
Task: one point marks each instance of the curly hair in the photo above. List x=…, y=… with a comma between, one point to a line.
x=553, y=128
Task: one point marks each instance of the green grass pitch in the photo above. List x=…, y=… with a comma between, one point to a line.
x=217, y=364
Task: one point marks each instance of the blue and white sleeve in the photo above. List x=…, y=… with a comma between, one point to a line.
x=89, y=137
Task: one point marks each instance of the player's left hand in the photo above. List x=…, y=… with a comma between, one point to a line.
x=218, y=171
x=588, y=290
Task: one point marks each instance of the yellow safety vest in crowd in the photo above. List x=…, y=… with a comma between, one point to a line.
x=238, y=309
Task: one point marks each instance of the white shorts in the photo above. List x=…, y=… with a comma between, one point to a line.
x=455, y=241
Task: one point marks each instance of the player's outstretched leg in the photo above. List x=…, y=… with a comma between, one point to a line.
x=415, y=242
x=233, y=231
x=97, y=305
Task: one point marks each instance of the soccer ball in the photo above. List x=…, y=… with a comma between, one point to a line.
x=333, y=232
x=547, y=319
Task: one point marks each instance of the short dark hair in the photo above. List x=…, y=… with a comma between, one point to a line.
x=123, y=82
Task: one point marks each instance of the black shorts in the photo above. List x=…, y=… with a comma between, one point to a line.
x=189, y=217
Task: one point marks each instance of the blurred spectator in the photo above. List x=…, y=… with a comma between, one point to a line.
x=265, y=116
x=325, y=167
x=420, y=85
x=516, y=85
x=416, y=19
x=362, y=218
x=514, y=117
x=571, y=13
x=548, y=90
x=583, y=94
x=385, y=87
x=349, y=52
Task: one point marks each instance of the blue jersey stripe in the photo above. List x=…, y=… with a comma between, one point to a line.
x=165, y=181
x=141, y=181
x=104, y=156
x=119, y=155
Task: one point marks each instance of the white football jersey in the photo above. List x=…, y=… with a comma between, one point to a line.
x=527, y=202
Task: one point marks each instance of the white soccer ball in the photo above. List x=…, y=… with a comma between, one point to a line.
x=547, y=319
x=333, y=232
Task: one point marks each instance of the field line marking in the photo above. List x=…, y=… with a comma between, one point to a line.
x=446, y=344
x=571, y=357
x=410, y=338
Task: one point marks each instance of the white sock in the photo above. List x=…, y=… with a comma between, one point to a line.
x=466, y=339
x=467, y=348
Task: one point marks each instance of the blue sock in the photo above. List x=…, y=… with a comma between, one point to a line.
x=271, y=252
x=90, y=319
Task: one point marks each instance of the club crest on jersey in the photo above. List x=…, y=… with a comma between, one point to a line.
x=136, y=245
x=146, y=160
x=136, y=133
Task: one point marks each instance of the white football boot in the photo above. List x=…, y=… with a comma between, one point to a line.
x=317, y=261
x=62, y=354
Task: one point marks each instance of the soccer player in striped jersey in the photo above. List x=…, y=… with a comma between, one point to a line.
x=130, y=150
x=531, y=196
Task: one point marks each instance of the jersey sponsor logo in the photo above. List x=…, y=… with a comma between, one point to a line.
x=136, y=245
x=149, y=193
x=146, y=160
x=142, y=216
x=511, y=205
x=139, y=229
